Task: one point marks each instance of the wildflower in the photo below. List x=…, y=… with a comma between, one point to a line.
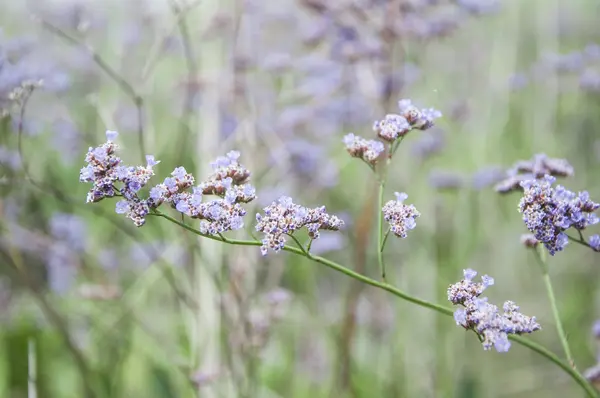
x=367, y=150
x=421, y=119
x=485, y=319
x=400, y=216
x=548, y=212
x=392, y=127
x=535, y=168
x=229, y=182
x=284, y=217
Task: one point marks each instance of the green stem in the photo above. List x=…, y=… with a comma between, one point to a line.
x=385, y=240
x=298, y=243
x=576, y=376
x=380, y=229
x=581, y=241
x=541, y=256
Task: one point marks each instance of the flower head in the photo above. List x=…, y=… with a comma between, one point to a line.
x=392, y=127
x=548, y=212
x=485, y=319
x=400, y=216
x=283, y=217
x=367, y=150
x=421, y=119
x=229, y=183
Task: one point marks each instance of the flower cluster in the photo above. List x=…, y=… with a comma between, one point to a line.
x=400, y=216
x=485, y=319
x=229, y=182
x=284, y=217
x=17, y=95
x=367, y=150
x=390, y=129
x=535, y=168
x=548, y=212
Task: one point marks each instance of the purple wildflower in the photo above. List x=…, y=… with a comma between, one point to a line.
x=485, y=319
x=367, y=150
x=284, y=217
x=400, y=216
x=548, y=212
x=421, y=119
x=392, y=127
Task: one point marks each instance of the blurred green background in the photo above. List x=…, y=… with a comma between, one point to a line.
x=92, y=301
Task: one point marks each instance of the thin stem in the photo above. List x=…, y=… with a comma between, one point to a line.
x=385, y=240
x=581, y=241
x=575, y=375
x=541, y=256
x=380, y=229
x=298, y=243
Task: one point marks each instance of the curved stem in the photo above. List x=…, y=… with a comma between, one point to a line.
x=575, y=375
x=541, y=256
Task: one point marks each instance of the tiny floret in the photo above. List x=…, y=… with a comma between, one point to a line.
x=485, y=319
x=400, y=216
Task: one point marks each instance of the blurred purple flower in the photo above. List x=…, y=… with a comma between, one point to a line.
x=440, y=179
x=61, y=266
x=10, y=158
x=70, y=229
x=487, y=176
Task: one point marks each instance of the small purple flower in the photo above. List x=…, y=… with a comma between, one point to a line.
x=122, y=207
x=548, y=212
x=284, y=217
x=367, y=150
x=150, y=161
x=392, y=127
x=484, y=318
x=469, y=274
x=421, y=119
x=111, y=135
x=401, y=217
x=179, y=173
